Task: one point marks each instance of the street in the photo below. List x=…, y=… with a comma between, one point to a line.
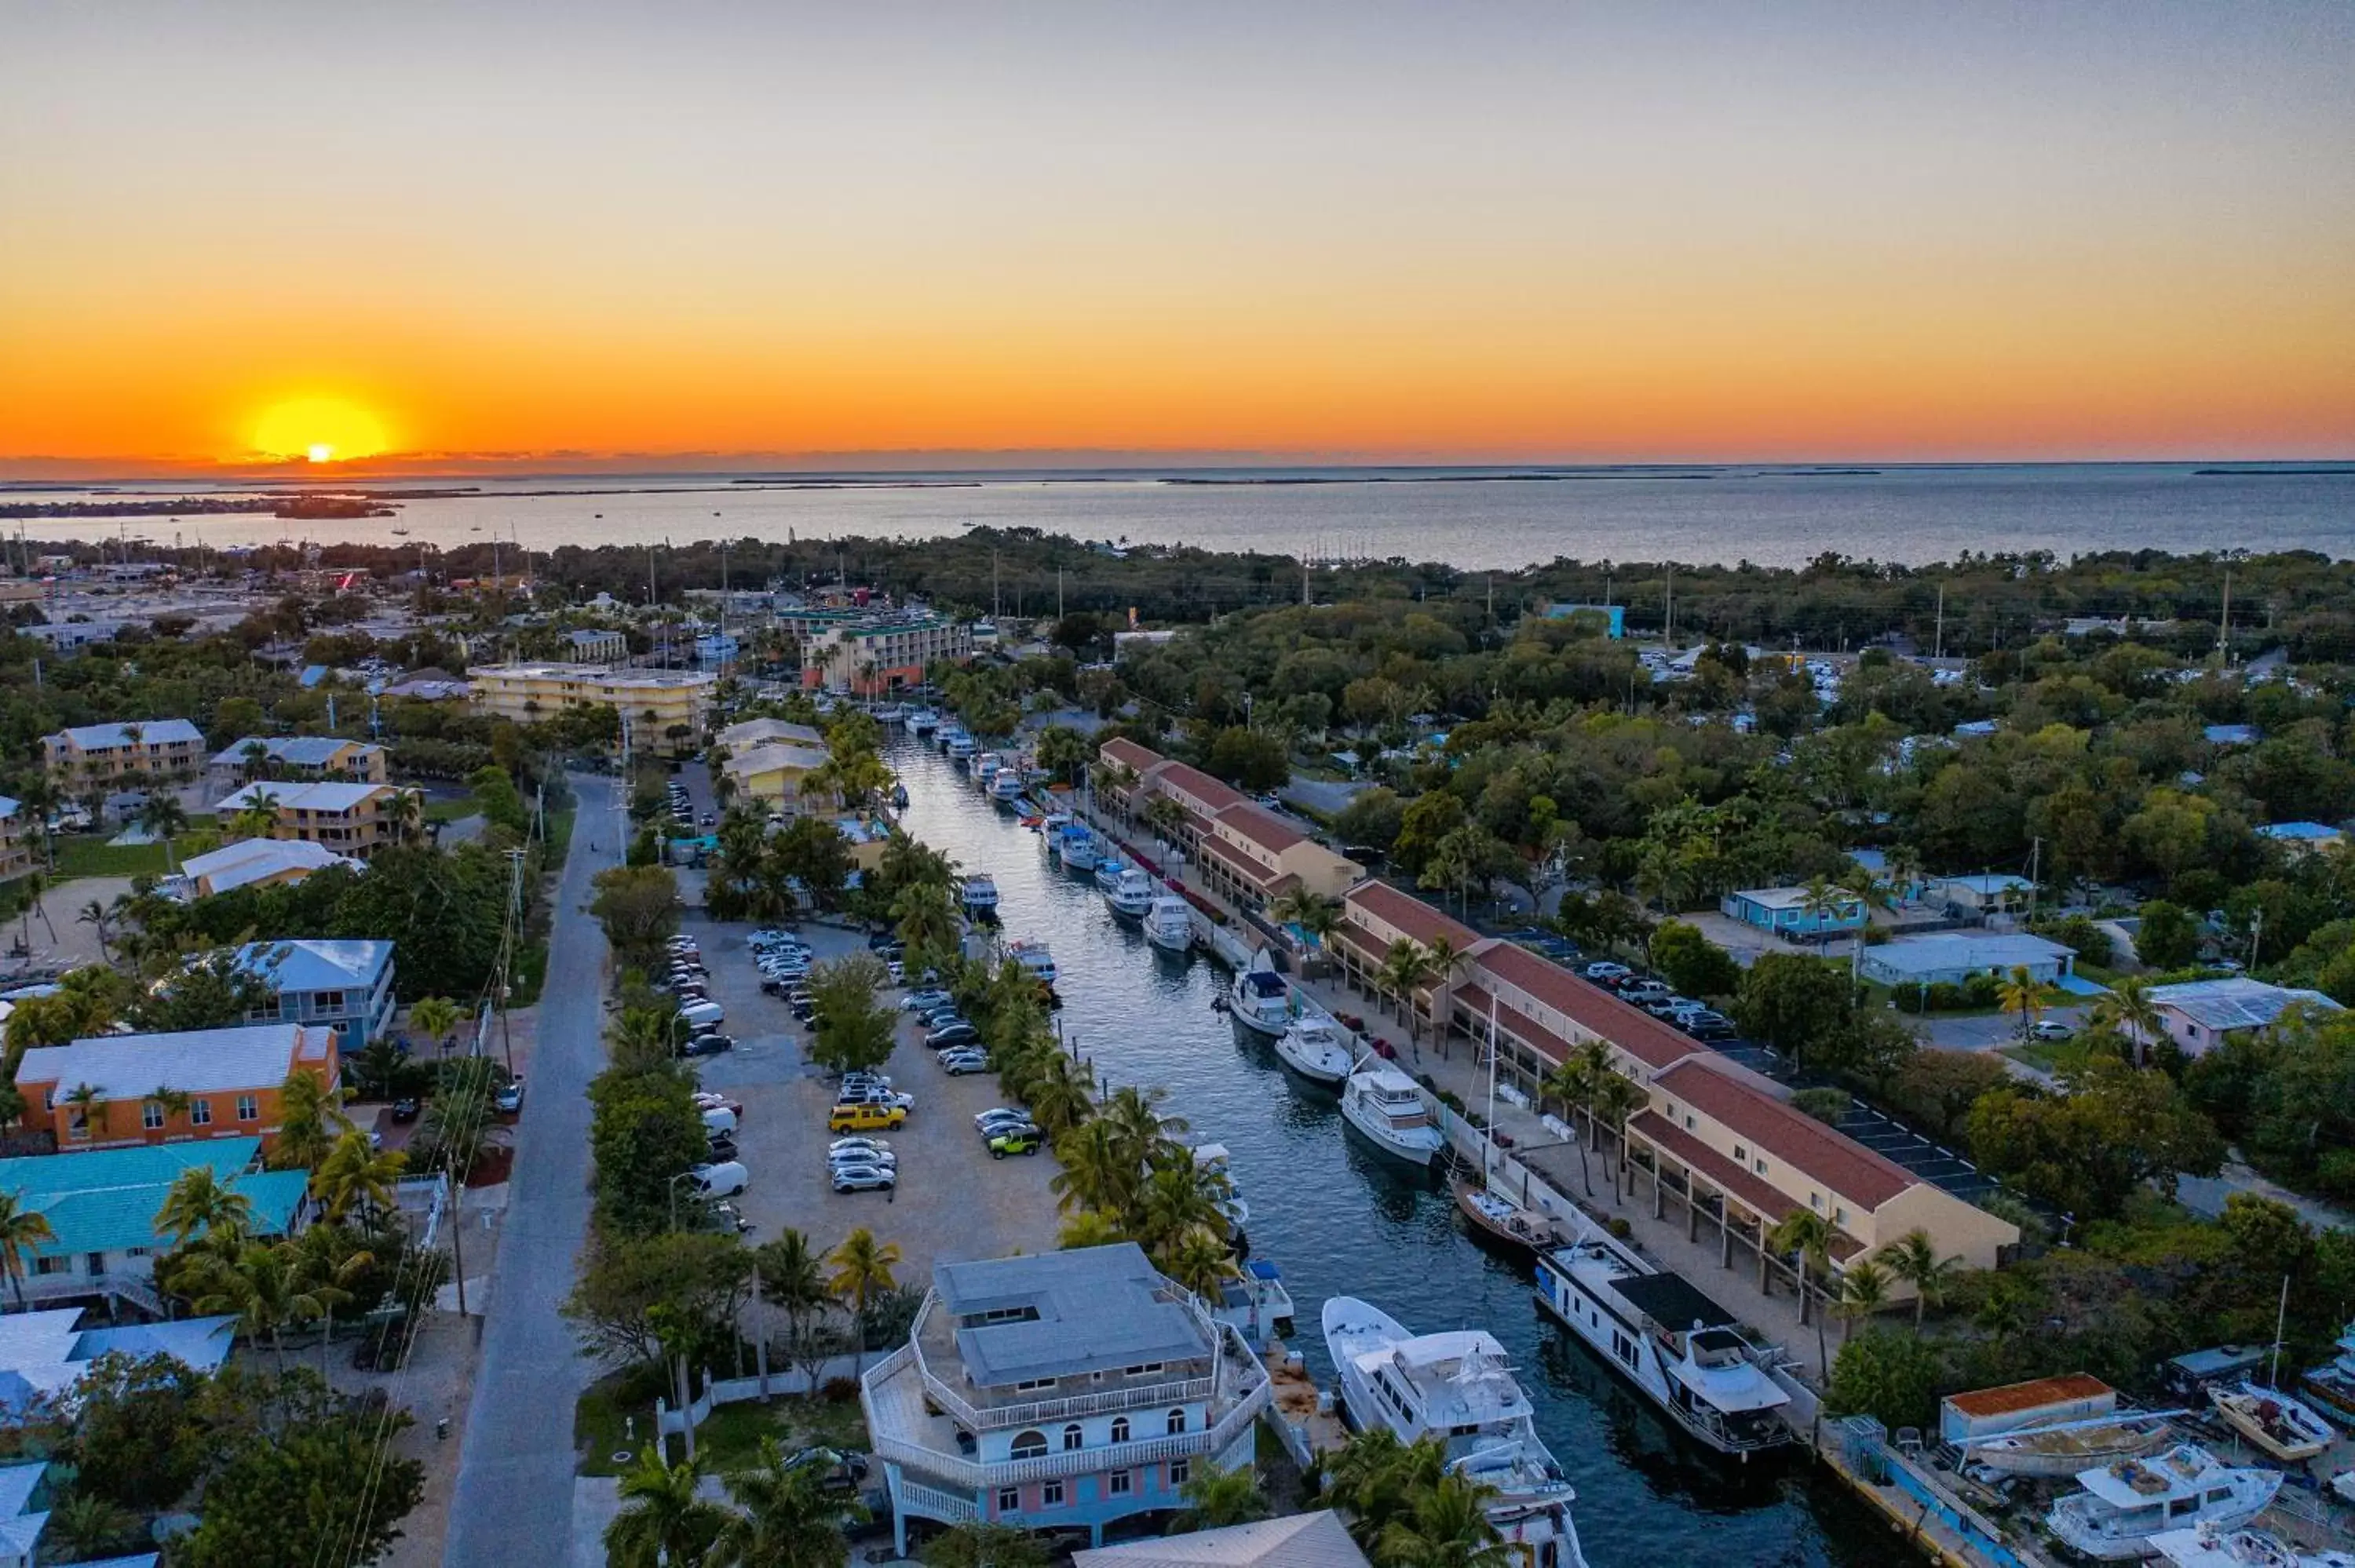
x=514, y=1497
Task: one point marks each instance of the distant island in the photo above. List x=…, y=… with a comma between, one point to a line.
x=296, y=508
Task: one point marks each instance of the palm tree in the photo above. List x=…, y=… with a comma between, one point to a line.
x=22, y=1231
x=407, y=815
x=1447, y=1525
x=91, y=1104
x=1447, y=964
x=1216, y=1498
x=37, y=883
x=261, y=1284
x=310, y=1119
x=663, y=1521
x=1617, y=1098
x=1308, y=909
x=1090, y=1227
x=2129, y=1011
x=1375, y=1479
x=434, y=1017
x=1819, y=901
x=257, y=819
x=789, y=1520
x=99, y=918
x=1902, y=868
x=1200, y=1260
x=790, y=1277
x=926, y=919
x=1406, y=969
x=200, y=1203
x=1915, y=1260
x=2020, y=994
x=1098, y=1172
x=356, y=1174
x=1864, y=1290
x=1138, y=1121
x=862, y=1271
x=253, y=757
x=172, y=1102
x=1808, y=1237
x=1572, y=1083
x=160, y=816
x=87, y=1523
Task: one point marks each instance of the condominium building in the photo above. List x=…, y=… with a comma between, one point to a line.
x=875, y=656
x=16, y=835
x=107, y=759
x=1064, y=1391
x=231, y=1077
x=348, y=819
x=306, y=757
x=1246, y=852
x=661, y=710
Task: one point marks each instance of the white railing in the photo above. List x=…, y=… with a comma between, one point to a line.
x=139, y=1290
x=996, y=1417
x=949, y=1508
x=962, y=1471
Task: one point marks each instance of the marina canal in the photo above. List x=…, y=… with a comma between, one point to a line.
x=1340, y=1219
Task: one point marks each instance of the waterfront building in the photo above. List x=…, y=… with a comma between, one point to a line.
x=136, y=756
x=1066, y=1391
x=772, y=774
x=1953, y=957
x=1374, y=915
x=100, y=1092
x=747, y=734
x=346, y=986
x=874, y=656
x=2200, y=1015
x=1251, y=855
x=354, y=819
x=253, y=863
x=307, y=757
x=663, y=711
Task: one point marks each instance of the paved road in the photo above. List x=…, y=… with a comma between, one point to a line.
x=513, y=1499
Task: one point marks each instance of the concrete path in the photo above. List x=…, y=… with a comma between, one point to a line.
x=2206, y=1195
x=515, y=1495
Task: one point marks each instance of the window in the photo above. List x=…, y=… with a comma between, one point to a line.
x=1176, y=1422
x=1035, y=1383
x=1030, y=1444
x=200, y=1112
x=151, y=1116
x=1051, y=1495
x=1815, y=1202
x=1073, y=1438
x=1741, y=1155
x=1180, y=1472
x=1759, y=1166
x=1120, y=1429
x=1147, y=1369
x=326, y=1002
x=1009, y=1499
x=53, y=1265
x=248, y=1109
x=1117, y=1484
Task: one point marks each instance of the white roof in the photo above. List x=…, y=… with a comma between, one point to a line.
x=152, y=732
x=195, y=1061
x=774, y=755
x=594, y=675
x=256, y=860
x=1789, y=897
x=320, y=796
x=1959, y=951
x=1302, y=1540
x=2238, y=1002
x=760, y=731
x=1385, y=1080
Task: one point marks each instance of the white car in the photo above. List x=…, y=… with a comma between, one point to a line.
x=958, y=1064
x=863, y=1178
x=925, y=1000
x=858, y=1146
x=2053, y=1029
x=724, y=1180
x=882, y=1157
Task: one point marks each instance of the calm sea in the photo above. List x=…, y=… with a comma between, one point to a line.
x=1491, y=518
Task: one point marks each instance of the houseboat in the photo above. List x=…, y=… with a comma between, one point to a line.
x=1681, y=1350
x=1170, y=924
x=981, y=897
x=2120, y=1505
x=1384, y=1104
x=2274, y=1422
x=1312, y=1047
x=1133, y=894
x=1260, y=999
x=1459, y=1388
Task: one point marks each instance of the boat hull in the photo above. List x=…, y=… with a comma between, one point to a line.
x=2044, y=1464
x=1515, y=1229
x=1317, y=1067
x=1379, y=1135
x=2241, y=1414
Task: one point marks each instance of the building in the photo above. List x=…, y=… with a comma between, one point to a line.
x=747, y=734
x=112, y=758
x=15, y=840
x=1979, y=898
x=1543, y=1014
x=2200, y=1015
x=254, y=863
x=354, y=819
x=1302, y=1540
x=1786, y=913
x=772, y=774
x=1985, y=1413
x=102, y=1210
x=1251, y=855
x=43, y=1354
x=230, y=1076
x=72, y=636
x=661, y=710
x=1953, y=957
x=2304, y=838
x=1374, y=916
x=1611, y=617
x=343, y=985
x=1065, y=1391
x=596, y=645
x=874, y=656
x=307, y=757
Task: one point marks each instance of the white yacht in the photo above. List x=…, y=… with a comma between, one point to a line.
x=1255, y=1302
x=1075, y=843
x=980, y=895
x=986, y=765
x=1006, y=784
x=2122, y=1505
x=889, y=713
x=1680, y=1348
x=2206, y=1546
x=1170, y=924
x=1312, y=1047
x=1109, y=866
x=1260, y=999
x=960, y=747
x=1458, y=1388
x=922, y=721
x=1385, y=1104
x=1034, y=958
x=1214, y=1158
x=1133, y=894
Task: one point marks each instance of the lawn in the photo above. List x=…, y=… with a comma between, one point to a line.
x=451, y=810
x=2045, y=1055
x=88, y=854
x=729, y=1438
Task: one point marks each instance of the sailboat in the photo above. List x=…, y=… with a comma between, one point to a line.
x=1492, y=1213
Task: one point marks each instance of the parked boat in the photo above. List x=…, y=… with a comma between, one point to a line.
x=899, y=796
x=1312, y=1047
x=2206, y=1546
x=1490, y=1213
x=922, y=721
x=960, y=748
x=889, y=713
x=2121, y=1505
x=1385, y=1104
x=1076, y=843
x=1680, y=1348
x=1260, y=999
x=2332, y=1384
x=1459, y=1388
x=1034, y=958
x=1006, y=785
x=1109, y=867
x=1170, y=924
x=1133, y=894
x=2274, y=1422
x=980, y=896
x=1255, y=1302
x=1215, y=1159
x=2077, y=1446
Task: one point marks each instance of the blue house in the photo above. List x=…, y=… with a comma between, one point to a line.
x=1066, y=1391
x=347, y=984
x=1785, y=912
x=1615, y=616
x=2302, y=837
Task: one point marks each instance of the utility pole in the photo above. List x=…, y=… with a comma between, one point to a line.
x=457, y=1245
x=1938, y=644
x=1668, y=616
x=2224, y=631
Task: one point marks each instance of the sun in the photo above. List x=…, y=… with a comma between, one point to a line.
x=318, y=429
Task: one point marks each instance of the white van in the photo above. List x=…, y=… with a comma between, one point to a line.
x=702, y=1012
x=720, y=1121
x=724, y=1180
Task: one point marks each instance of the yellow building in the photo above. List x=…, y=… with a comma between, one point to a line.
x=353, y=819
x=661, y=710
x=15, y=840
x=1259, y=857
x=772, y=774
x=107, y=759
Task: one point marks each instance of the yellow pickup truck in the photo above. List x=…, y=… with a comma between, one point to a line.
x=864, y=1118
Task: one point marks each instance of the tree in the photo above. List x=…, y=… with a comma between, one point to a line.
x=1807, y=1237
x=1063, y=752
x=1891, y=1374
x=790, y=1277
x=1078, y=632
x=1914, y=1258
x=355, y=1175
x=310, y=1119
x=98, y=918
x=212, y=992
x=1375, y=1479
x=1864, y=1290
x=435, y=1017
x=87, y=1523
x=663, y=1520
x=22, y=1231
x=2128, y=1010
x=200, y=1204
x=1405, y=969
x=1792, y=1003
x=1216, y=1498
x=862, y=1270
x=850, y=1029
x=1937, y=1088
x=160, y=816
x=2020, y=994
x=1250, y=760
x=811, y=852
x=986, y=1546
x=2165, y=936
x=789, y=1519
x=2086, y=1150
x=1691, y=962
x=264, y=1284
x=924, y=916
x=137, y=1439
x=644, y=1131
x=638, y=905
x=1447, y=1525
x=639, y=1296
x=496, y=797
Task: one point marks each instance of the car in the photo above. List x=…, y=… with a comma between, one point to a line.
x=865, y=1118
x=953, y=1034
x=925, y=1000
x=723, y=1178
x=707, y=1099
x=846, y=1145
x=731, y=1218
x=406, y=1108
x=508, y=1098
x=863, y=1178
x=873, y=1095
x=896, y=971
x=982, y=1118
x=1669, y=1006
x=1602, y=970
x=706, y=1045
x=883, y=1157
x=1022, y=1140
x=2052, y=1028
x=709, y=821
x=843, y=1472
x=1009, y=1123
x=722, y=1147
x=958, y=1064
x=1642, y=992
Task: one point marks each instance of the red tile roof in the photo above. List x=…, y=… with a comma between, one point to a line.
x=1262, y=827
x=1213, y=795
x=1768, y=1202
x=1631, y=1029
x=1409, y=913
x=1474, y=1004
x=2017, y=1396
x=1254, y=872
x=1843, y=1165
x=1128, y=754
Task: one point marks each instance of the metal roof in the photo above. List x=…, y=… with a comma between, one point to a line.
x=1092, y=1309
x=152, y=732
x=128, y=1067
x=325, y=796
x=1672, y=1301
x=295, y=750
x=1304, y=1540
x=2238, y=1002
x=1957, y=950
x=302, y=964
x=105, y=1200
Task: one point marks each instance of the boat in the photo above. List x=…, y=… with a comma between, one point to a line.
x=2206, y=1546
x=1312, y=1047
x=1109, y=867
x=1214, y=1158
x=1075, y=843
x=2332, y=1384
x=1006, y=785
x=1458, y=1387
x=2274, y=1422
x=980, y=895
x=985, y=767
x=1680, y=1348
x=2076, y=1445
x=922, y=721
x=1035, y=958
x=1492, y=1214
x=1254, y=1302
x=889, y=713
x=1170, y=924
x=2121, y=1505
x=1132, y=894
x=960, y=748
x=1385, y=1104
x=1260, y=999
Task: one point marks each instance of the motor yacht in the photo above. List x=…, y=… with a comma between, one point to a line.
x=1006, y=785
x=1260, y=999
x=2120, y=1505
x=2205, y=1546
x=889, y=713
x=1170, y=924
x=1458, y=1387
x=1312, y=1047
x=1035, y=959
x=1682, y=1351
x=2332, y=1384
x=1075, y=844
x=1385, y=1104
x=986, y=765
x=1109, y=865
x=2281, y=1425
x=922, y=721
x=980, y=895
x=960, y=748
x=1132, y=894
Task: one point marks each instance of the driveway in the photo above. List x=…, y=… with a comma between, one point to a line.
x=1325, y=796
x=514, y=1497
x=1985, y=1031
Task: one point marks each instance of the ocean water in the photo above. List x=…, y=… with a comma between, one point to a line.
x=1479, y=519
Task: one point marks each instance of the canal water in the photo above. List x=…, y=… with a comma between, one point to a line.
x=1341, y=1219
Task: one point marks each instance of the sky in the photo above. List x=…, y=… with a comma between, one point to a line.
x=488, y=233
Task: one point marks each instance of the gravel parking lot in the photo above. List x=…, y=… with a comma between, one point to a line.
x=954, y=1201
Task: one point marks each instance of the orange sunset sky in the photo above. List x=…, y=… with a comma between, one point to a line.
x=1498, y=231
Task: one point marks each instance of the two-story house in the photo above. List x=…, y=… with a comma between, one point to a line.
x=352, y=820
x=113, y=1090
x=663, y=711
x=345, y=985
x=1065, y=1391
x=302, y=757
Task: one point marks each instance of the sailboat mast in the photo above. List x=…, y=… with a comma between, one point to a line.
x=1489, y=1164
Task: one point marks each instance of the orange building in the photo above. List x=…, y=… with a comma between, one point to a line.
x=112, y=1091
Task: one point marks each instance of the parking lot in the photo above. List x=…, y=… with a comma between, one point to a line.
x=954, y=1201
